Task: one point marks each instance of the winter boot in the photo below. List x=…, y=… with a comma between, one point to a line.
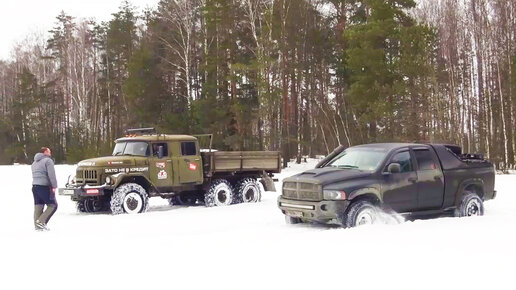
x=48, y=213
x=38, y=210
x=41, y=226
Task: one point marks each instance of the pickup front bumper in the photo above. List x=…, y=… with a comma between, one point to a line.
x=83, y=191
x=326, y=211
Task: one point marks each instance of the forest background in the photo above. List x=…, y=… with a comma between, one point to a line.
x=297, y=76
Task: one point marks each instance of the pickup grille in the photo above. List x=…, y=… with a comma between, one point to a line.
x=302, y=191
x=87, y=176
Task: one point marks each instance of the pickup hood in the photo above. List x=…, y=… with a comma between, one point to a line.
x=109, y=161
x=328, y=175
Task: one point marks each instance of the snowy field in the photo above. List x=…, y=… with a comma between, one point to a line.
x=248, y=246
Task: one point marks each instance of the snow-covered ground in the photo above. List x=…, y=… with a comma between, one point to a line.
x=248, y=246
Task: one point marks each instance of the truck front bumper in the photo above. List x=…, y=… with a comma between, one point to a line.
x=326, y=211
x=81, y=192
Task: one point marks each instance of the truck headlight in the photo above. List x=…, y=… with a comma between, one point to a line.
x=334, y=194
x=109, y=180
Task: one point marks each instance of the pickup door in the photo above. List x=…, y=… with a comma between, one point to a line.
x=430, y=184
x=400, y=189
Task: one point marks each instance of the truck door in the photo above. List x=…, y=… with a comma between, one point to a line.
x=160, y=169
x=400, y=189
x=190, y=165
x=430, y=179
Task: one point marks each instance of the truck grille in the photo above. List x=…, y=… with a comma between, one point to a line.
x=87, y=176
x=302, y=191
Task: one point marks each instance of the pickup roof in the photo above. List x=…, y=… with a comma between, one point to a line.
x=350, y=185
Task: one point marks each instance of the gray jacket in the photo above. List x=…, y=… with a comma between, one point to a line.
x=43, y=172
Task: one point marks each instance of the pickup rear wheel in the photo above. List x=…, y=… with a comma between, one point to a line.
x=360, y=213
x=471, y=205
x=129, y=198
x=248, y=190
x=220, y=193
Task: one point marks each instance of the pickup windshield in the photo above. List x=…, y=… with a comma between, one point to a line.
x=132, y=149
x=367, y=159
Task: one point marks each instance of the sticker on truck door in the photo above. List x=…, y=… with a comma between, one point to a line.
x=162, y=174
x=160, y=165
x=192, y=166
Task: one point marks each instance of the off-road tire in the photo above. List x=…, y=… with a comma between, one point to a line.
x=292, y=220
x=129, y=198
x=471, y=205
x=359, y=213
x=247, y=190
x=88, y=205
x=220, y=193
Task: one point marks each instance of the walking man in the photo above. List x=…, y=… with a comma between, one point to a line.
x=44, y=184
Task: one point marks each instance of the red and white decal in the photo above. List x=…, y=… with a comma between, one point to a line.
x=192, y=166
x=162, y=174
x=160, y=165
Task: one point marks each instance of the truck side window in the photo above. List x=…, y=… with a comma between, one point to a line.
x=403, y=158
x=188, y=149
x=425, y=160
x=155, y=147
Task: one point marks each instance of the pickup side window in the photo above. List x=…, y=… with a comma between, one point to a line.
x=155, y=147
x=403, y=158
x=188, y=149
x=425, y=159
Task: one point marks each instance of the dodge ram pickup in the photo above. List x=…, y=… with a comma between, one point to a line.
x=351, y=185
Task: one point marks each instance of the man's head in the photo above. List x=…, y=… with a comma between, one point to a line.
x=46, y=151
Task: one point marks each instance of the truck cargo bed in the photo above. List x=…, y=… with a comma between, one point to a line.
x=241, y=161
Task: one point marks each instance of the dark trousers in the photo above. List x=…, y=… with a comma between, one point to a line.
x=43, y=195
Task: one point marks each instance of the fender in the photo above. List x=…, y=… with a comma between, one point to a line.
x=267, y=182
x=120, y=177
x=478, y=182
x=366, y=191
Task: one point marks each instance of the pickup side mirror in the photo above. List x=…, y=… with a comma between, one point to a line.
x=161, y=152
x=394, y=168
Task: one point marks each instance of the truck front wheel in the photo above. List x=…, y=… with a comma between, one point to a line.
x=129, y=198
x=220, y=193
x=359, y=213
x=248, y=190
x=471, y=205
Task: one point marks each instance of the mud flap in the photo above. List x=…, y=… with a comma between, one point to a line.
x=267, y=182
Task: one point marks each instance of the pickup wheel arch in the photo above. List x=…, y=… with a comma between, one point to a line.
x=475, y=185
x=368, y=193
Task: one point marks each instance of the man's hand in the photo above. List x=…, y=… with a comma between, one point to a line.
x=53, y=190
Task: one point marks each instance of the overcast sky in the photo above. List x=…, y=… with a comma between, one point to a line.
x=19, y=18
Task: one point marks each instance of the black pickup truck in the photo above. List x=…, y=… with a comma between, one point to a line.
x=351, y=185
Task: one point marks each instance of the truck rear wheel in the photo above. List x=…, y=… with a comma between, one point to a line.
x=359, y=213
x=220, y=193
x=129, y=198
x=471, y=205
x=248, y=190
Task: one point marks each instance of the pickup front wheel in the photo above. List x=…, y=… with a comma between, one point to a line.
x=471, y=205
x=360, y=213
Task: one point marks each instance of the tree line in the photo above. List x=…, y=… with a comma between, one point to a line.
x=298, y=76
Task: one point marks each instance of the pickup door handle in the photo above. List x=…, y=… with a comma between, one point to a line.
x=187, y=160
x=412, y=179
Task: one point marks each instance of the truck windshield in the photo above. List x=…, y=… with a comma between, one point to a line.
x=367, y=159
x=132, y=149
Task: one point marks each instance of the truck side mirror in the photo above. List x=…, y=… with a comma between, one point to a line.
x=161, y=152
x=394, y=168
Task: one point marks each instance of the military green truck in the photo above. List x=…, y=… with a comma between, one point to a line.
x=146, y=164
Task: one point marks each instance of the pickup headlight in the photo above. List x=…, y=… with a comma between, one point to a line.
x=334, y=194
x=109, y=180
